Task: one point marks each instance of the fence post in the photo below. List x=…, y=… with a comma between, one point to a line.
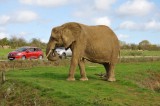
x=3, y=76
x=3, y=73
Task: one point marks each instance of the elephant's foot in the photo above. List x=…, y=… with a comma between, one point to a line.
x=70, y=79
x=83, y=79
x=111, y=79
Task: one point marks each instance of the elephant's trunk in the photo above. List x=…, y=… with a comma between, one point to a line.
x=51, y=54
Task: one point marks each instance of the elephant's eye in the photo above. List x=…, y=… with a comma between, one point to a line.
x=54, y=39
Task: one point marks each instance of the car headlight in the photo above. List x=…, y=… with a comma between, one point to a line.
x=19, y=54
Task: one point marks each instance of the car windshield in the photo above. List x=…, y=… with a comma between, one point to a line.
x=60, y=48
x=21, y=49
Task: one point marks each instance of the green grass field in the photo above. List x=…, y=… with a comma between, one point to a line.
x=138, y=84
x=4, y=53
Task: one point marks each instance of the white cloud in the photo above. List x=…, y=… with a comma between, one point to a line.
x=3, y=35
x=146, y=26
x=18, y=17
x=122, y=36
x=103, y=4
x=44, y=40
x=91, y=8
x=4, y=19
x=130, y=25
x=102, y=21
x=26, y=1
x=21, y=34
x=136, y=8
x=24, y=16
x=2, y=29
x=152, y=25
x=46, y=3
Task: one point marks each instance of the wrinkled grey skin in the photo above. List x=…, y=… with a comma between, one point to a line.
x=97, y=44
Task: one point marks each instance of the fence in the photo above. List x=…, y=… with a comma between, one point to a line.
x=128, y=59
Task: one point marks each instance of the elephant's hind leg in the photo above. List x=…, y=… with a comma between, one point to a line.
x=82, y=70
x=109, y=71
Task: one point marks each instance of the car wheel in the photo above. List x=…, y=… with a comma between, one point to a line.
x=63, y=56
x=40, y=57
x=23, y=58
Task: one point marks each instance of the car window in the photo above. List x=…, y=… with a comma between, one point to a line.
x=31, y=49
x=37, y=49
x=61, y=48
x=21, y=49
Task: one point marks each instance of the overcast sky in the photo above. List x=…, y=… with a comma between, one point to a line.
x=132, y=20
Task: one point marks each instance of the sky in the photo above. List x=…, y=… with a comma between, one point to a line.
x=131, y=20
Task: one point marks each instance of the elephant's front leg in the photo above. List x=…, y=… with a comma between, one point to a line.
x=73, y=65
x=82, y=70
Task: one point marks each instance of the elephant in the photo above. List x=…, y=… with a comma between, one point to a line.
x=98, y=44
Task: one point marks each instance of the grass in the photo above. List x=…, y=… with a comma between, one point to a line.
x=4, y=53
x=151, y=53
x=136, y=85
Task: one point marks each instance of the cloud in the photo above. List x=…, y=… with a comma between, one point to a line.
x=122, y=36
x=136, y=8
x=3, y=35
x=91, y=8
x=21, y=34
x=102, y=21
x=2, y=29
x=4, y=19
x=103, y=4
x=152, y=25
x=130, y=25
x=45, y=3
x=44, y=40
x=24, y=16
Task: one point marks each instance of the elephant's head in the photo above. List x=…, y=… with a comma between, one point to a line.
x=63, y=35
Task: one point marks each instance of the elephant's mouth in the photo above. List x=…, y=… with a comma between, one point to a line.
x=52, y=55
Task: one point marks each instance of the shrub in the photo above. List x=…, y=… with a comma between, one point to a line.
x=135, y=53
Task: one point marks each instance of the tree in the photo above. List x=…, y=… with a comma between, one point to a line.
x=17, y=42
x=14, y=42
x=22, y=42
x=35, y=42
x=4, y=41
x=38, y=43
x=144, y=45
x=133, y=46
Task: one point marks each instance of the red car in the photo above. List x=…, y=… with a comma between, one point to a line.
x=26, y=53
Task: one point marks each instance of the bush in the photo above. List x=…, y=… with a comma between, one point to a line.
x=135, y=53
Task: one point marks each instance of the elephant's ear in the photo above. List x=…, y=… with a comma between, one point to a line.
x=71, y=32
x=67, y=38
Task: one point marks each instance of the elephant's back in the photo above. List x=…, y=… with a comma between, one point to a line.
x=101, y=34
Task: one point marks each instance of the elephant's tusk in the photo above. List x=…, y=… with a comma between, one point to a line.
x=49, y=53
